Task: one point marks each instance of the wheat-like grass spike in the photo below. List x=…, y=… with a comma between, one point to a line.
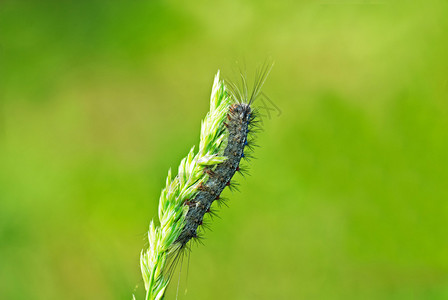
x=226, y=139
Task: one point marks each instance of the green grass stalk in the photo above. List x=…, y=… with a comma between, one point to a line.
x=154, y=261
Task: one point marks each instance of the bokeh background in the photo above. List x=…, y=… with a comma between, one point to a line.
x=348, y=195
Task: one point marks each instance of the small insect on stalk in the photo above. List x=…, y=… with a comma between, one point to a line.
x=226, y=138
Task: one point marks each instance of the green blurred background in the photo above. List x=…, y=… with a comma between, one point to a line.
x=347, y=199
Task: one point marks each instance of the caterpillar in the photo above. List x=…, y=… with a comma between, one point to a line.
x=227, y=137
x=241, y=122
x=240, y=118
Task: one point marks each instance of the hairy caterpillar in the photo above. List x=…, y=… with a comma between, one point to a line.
x=226, y=138
x=240, y=117
x=241, y=122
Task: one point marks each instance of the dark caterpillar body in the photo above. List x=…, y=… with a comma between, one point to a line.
x=240, y=117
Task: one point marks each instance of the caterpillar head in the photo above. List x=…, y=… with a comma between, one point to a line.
x=242, y=111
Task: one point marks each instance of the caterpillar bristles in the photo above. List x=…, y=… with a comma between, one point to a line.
x=198, y=239
x=222, y=201
x=212, y=213
x=243, y=171
x=250, y=145
x=234, y=186
x=248, y=157
x=205, y=225
x=255, y=126
x=172, y=261
x=227, y=138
